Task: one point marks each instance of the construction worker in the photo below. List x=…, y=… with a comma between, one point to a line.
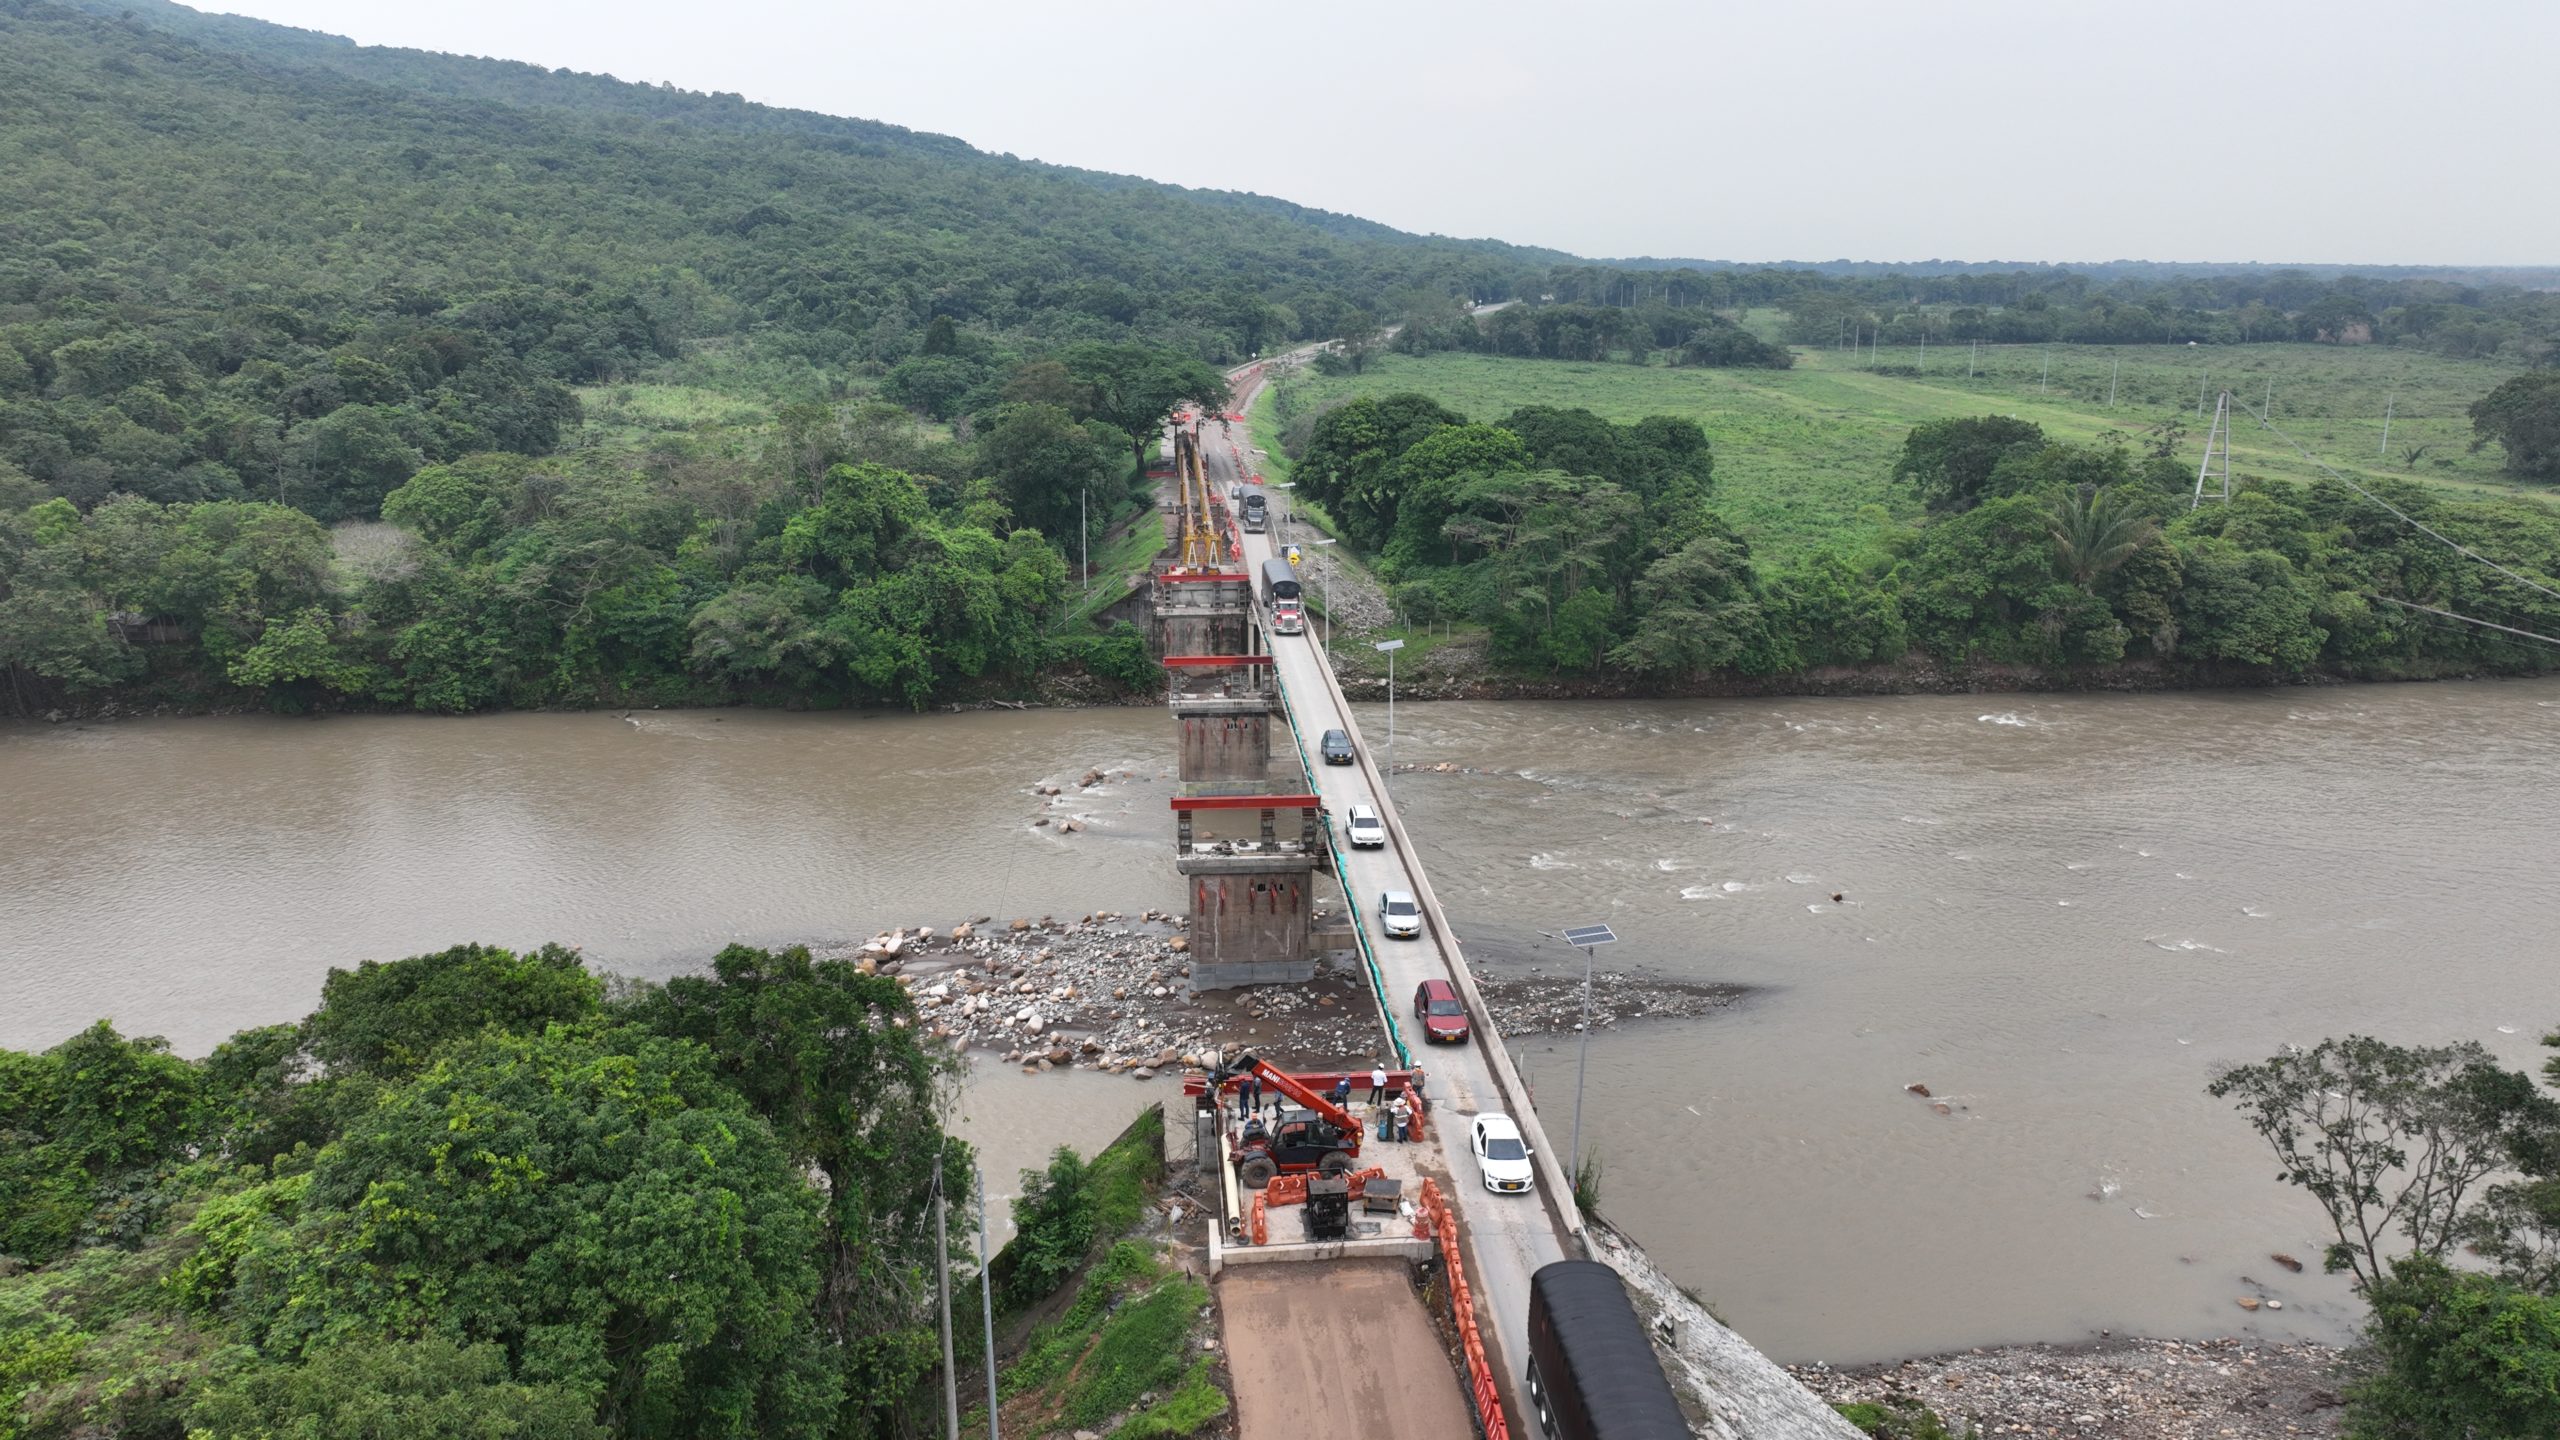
x=1378, y=1085
x=1397, y=1113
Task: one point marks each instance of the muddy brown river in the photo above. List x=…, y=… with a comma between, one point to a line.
x=2059, y=914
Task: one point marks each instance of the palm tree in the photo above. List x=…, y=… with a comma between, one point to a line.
x=2092, y=536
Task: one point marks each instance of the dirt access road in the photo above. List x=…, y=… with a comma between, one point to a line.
x=1334, y=1348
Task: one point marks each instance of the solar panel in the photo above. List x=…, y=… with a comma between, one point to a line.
x=1589, y=935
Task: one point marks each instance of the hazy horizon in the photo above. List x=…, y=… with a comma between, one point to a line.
x=1637, y=128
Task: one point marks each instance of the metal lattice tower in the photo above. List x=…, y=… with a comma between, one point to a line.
x=2217, y=446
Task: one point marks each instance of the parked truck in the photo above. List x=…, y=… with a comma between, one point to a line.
x=1255, y=512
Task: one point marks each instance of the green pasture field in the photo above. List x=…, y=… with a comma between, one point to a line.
x=1803, y=456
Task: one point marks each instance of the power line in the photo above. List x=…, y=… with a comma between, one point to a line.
x=2404, y=516
x=2466, y=619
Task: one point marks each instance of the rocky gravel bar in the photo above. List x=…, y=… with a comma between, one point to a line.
x=1109, y=992
x=2112, y=1389
x=1552, y=1005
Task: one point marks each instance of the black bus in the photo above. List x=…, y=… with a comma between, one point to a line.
x=1279, y=580
x=1592, y=1371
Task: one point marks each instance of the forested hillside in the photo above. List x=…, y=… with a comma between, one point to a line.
x=209, y=246
x=252, y=278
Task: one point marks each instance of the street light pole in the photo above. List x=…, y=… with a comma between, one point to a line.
x=1328, y=592
x=1582, y=1063
x=1585, y=938
x=1390, y=647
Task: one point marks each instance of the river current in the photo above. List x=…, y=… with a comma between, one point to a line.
x=2059, y=914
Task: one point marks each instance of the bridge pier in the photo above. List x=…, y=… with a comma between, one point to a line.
x=1209, y=613
x=1252, y=883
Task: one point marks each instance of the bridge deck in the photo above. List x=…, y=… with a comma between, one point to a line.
x=1509, y=1236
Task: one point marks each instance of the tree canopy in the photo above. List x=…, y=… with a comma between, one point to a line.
x=473, y=1196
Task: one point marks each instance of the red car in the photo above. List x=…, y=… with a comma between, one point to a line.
x=1443, y=1015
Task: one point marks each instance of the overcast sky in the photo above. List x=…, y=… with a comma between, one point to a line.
x=2336, y=131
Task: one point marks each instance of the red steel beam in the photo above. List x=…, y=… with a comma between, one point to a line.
x=1216, y=661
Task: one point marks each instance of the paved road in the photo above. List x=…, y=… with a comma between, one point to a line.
x=1335, y=1351
x=1510, y=1235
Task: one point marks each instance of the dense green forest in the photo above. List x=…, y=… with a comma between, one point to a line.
x=472, y=1195
x=1585, y=547
x=256, y=283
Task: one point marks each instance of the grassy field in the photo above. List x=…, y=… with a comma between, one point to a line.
x=1803, y=455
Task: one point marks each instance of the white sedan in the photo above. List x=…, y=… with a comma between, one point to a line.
x=1368, y=832
x=1400, y=915
x=1501, y=1155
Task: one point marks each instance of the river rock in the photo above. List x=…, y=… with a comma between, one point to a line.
x=1143, y=1073
x=1019, y=925
x=2248, y=1302
x=1178, y=944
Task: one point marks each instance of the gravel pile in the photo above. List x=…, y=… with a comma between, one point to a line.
x=1107, y=992
x=2114, y=1390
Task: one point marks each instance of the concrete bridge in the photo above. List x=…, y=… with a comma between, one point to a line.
x=1259, y=815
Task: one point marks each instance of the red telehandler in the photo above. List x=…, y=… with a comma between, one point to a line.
x=1318, y=1135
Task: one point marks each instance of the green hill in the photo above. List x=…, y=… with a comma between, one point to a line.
x=236, y=228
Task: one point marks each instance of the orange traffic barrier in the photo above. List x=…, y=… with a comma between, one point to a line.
x=1259, y=1224
x=1437, y=1216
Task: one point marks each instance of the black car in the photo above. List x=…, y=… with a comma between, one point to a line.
x=1335, y=747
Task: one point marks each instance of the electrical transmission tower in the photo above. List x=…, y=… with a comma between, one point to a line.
x=2217, y=445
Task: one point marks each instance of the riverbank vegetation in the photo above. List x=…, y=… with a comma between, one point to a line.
x=473, y=1194
x=2413, y=1154
x=1854, y=519
x=1101, y=1329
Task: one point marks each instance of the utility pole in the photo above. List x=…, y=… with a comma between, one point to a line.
x=2200, y=382
x=2221, y=432
x=987, y=1300
x=1975, y=363
x=2048, y=367
x=2385, y=452
x=2111, y=382
x=2267, y=406
x=942, y=1267
x=1084, y=540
